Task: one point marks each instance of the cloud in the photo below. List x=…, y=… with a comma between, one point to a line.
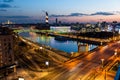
x=72, y=14
x=103, y=13
x=16, y=7
x=5, y=6
x=3, y=10
x=116, y=12
x=8, y=0
x=77, y=14
x=54, y=15
x=18, y=17
x=82, y=14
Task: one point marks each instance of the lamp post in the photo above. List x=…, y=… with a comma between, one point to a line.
x=47, y=64
x=41, y=48
x=101, y=43
x=115, y=53
x=102, y=60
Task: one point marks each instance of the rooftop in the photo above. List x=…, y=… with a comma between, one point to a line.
x=5, y=31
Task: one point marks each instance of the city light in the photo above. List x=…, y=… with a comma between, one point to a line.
x=59, y=40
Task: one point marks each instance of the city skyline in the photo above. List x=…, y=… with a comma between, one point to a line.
x=30, y=11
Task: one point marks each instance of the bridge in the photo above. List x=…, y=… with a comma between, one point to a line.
x=26, y=30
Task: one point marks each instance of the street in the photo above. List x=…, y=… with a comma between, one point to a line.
x=86, y=68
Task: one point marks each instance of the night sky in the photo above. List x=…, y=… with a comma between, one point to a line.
x=33, y=11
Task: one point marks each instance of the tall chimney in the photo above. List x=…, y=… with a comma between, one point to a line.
x=46, y=18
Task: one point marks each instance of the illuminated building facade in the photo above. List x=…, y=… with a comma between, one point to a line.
x=60, y=28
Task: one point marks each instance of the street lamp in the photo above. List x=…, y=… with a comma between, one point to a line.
x=102, y=60
x=41, y=47
x=101, y=43
x=47, y=64
x=115, y=53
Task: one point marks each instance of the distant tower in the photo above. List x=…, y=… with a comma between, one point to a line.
x=56, y=21
x=46, y=18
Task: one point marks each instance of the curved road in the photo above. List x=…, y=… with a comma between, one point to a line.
x=87, y=68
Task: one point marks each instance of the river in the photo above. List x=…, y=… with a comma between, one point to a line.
x=66, y=46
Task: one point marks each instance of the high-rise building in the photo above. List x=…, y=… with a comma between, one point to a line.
x=6, y=47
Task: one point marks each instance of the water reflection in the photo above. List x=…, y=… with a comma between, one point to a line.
x=67, y=46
